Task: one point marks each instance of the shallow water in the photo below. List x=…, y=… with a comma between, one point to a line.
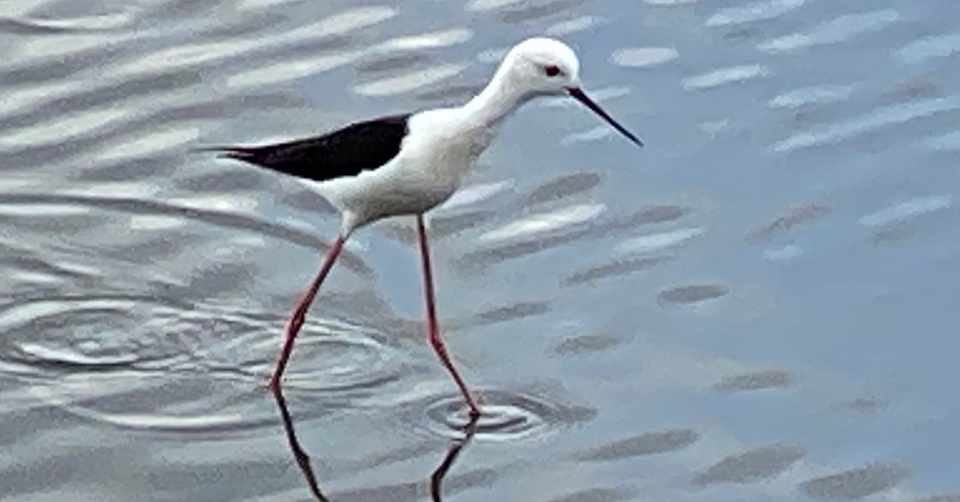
x=759, y=305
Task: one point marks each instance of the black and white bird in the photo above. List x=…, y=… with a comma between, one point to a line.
x=409, y=164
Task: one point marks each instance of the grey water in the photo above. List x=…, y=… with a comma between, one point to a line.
x=761, y=304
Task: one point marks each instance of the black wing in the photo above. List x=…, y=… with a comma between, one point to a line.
x=362, y=146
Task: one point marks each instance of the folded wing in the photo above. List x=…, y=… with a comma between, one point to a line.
x=361, y=146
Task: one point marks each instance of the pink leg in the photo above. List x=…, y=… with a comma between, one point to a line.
x=300, y=312
x=434, y=332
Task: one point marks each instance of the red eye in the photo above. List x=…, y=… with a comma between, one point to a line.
x=551, y=71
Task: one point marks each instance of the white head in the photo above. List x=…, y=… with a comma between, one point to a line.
x=543, y=67
x=539, y=66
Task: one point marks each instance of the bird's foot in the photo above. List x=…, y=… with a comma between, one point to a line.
x=473, y=417
x=272, y=384
x=474, y=413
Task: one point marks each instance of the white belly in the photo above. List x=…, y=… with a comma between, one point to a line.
x=392, y=190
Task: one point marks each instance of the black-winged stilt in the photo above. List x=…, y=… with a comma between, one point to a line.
x=409, y=164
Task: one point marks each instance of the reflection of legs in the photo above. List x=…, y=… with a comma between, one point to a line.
x=303, y=460
x=300, y=312
x=433, y=331
x=436, y=480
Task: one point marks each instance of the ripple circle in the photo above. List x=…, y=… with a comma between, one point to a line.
x=156, y=364
x=506, y=416
x=341, y=358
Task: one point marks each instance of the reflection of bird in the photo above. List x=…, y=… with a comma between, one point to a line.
x=409, y=164
x=457, y=447
x=303, y=459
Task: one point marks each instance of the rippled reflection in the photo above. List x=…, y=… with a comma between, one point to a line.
x=856, y=483
x=302, y=458
x=751, y=466
x=299, y=454
x=453, y=453
x=725, y=76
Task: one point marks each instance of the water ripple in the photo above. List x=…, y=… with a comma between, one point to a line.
x=410, y=81
x=544, y=222
x=75, y=126
x=749, y=13
x=189, y=55
x=725, y=76
x=752, y=465
x=856, y=483
x=820, y=94
x=575, y=25
x=649, y=443
x=946, y=142
x=95, y=351
x=794, y=217
x=950, y=497
x=243, y=5
x=485, y=5
x=41, y=52
x=833, y=31
x=151, y=143
x=536, y=10
x=760, y=380
x=907, y=210
x=506, y=416
x=198, y=209
x=290, y=69
x=640, y=57
x=563, y=187
x=890, y=115
x=583, y=344
x=599, y=95
x=594, y=134
x=694, y=294
x=492, y=56
x=430, y=40
x=599, y=494
x=783, y=254
x=83, y=346
x=96, y=22
x=938, y=46
x=473, y=194
x=595, y=229
x=650, y=243
x=617, y=267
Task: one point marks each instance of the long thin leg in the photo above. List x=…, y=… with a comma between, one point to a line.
x=432, y=330
x=300, y=312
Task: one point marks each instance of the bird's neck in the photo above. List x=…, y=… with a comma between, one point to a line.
x=495, y=102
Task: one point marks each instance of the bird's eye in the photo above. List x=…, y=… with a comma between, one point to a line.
x=552, y=70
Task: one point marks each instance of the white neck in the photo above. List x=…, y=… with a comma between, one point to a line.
x=500, y=97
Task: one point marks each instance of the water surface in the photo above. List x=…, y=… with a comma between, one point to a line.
x=759, y=305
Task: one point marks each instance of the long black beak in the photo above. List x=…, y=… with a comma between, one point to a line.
x=580, y=96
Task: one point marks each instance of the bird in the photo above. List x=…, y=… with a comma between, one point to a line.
x=407, y=164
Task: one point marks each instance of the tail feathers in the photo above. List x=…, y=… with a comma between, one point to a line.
x=246, y=154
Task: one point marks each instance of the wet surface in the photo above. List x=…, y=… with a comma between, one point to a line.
x=759, y=305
